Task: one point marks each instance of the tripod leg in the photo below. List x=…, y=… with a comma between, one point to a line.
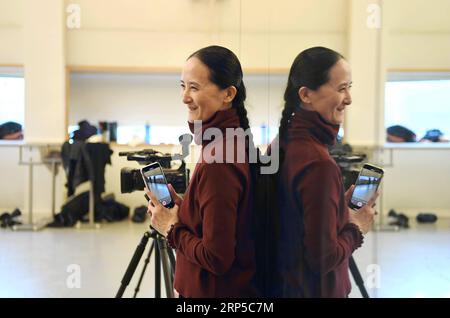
x=147, y=260
x=172, y=261
x=162, y=244
x=133, y=264
x=357, y=277
x=157, y=270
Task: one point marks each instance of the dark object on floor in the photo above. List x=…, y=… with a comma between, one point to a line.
x=111, y=211
x=140, y=214
x=77, y=209
x=398, y=219
x=9, y=219
x=72, y=211
x=426, y=218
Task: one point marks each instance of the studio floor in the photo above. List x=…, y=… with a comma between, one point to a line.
x=412, y=262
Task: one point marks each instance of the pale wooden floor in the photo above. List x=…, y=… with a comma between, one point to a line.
x=410, y=263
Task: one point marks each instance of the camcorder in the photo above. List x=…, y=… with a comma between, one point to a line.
x=131, y=179
x=348, y=162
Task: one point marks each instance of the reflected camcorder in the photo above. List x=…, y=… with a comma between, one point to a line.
x=347, y=161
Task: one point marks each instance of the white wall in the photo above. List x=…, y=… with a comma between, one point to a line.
x=11, y=31
x=362, y=117
x=151, y=33
x=417, y=180
x=147, y=33
x=274, y=32
x=134, y=99
x=44, y=69
x=418, y=34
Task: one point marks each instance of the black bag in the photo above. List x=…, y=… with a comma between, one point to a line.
x=77, y=210
x=72, y=212
x=111, y=211
x=140, y=214
x=426, y=218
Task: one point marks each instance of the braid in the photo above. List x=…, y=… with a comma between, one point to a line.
x=291, y=100
x=242, y=114
x=241, y=111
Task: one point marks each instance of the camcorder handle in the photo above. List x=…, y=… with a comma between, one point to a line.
x=185, y=141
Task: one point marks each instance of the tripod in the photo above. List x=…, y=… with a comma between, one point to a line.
x=163, y=256
x=357, y=277
x=349, y=178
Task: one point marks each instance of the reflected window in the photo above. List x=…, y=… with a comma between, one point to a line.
x=420, y=103
x=12, y=106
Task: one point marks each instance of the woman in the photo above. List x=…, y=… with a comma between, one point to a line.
x=211, y=230
x=318, y=232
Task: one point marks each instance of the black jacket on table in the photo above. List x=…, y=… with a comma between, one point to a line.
x=85, y=161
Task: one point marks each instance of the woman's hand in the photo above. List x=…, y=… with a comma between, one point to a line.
x=161, y=217
x=349, y=193
x=365, y=216
x=175, y=197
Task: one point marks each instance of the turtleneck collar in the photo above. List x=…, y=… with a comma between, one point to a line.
x=311, y=121
x=222, y=119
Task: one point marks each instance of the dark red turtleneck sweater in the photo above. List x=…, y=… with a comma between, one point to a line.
x=317, y=239
x=215, y=252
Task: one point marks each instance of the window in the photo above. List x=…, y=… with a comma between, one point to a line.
x=12, y=98
x=419, y=102
x=154, y=135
